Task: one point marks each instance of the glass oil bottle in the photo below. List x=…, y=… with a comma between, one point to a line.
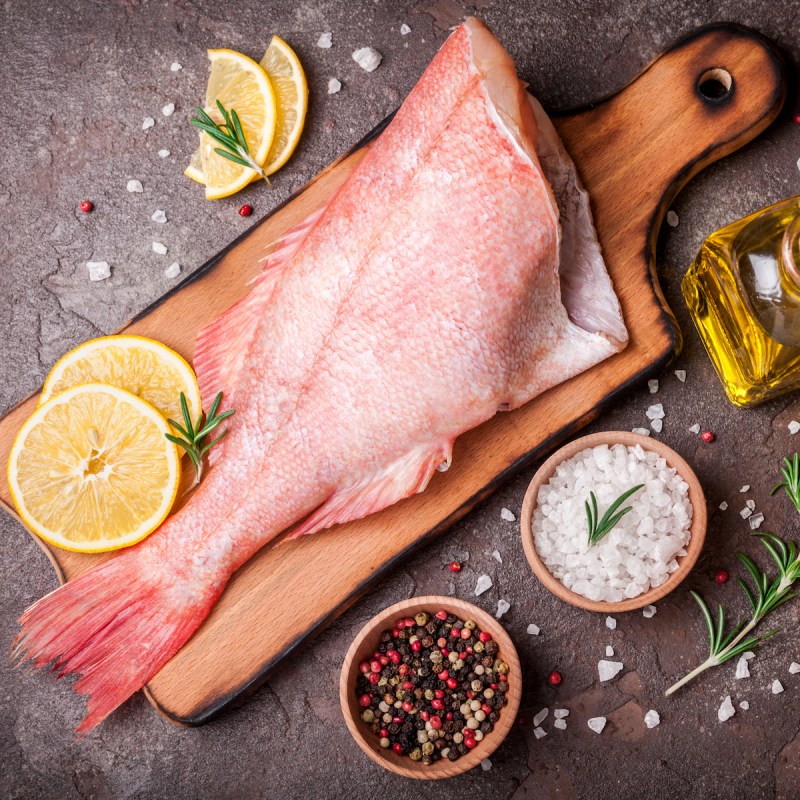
x=743, y=291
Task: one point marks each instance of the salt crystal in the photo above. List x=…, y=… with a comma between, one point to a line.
x=368, y=58
x=497, y=557
x=798, y=163
x=325, y=41
x=726, y=710
x=539, y=733
x=175, y=66
x=756, y=520
x=168, y=110
x=561, y=724
x=404, y=30
x=597, y=724
x=159, y=216
x=163, y=153
x=609, y=651
x=751, y=504
x=652, y=718
x=744, y=705
x=484, y=584
x=98, y=270
x=657, y=425
x=777, y=687
x=611, y=623
x=749, y=655
x=794, y=668
x=334, y=85
x=541, y=716
x=134, y=186
x=560, y=713
x=159, y=248
x=641, y=431
x=723, y=505
x=486, y=765
x=648, y=612
x=173, y=270
x=742, y=670
x=672, y=219
x=695, y=428
x=608, y=669
x=746, y=512
x=745, y=488
x=533, y=630
x=507, y=515
x=655, y=411
x=148, y=123
x=794, y=426
x=652, y=385
x=680, y=374
x=502, y=607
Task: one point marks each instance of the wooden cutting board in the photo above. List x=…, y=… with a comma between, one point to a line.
x=634, y=149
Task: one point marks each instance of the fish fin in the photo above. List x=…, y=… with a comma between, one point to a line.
x=404, y=477
x=115, y=640
x=222, y=345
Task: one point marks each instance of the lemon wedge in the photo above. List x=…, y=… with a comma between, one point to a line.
x=237, y=82
x=142, y=366
x=91, y=469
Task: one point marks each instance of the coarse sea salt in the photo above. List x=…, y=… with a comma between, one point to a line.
x=507, y=515
x=533, y=630
x=726, y=710
x=609, y=651
x=175, y=66
x=486, y=764
x=325, y=41
x=657, y=425
x=723, y=506
x=793, y=426
x=168, y=110
x=641, y=431
x=134, y=186
x=652, y=385
x=560, y=724
x=541, y=716
x=98, y=270
x=745, y=488
x=539, y=733
x=597, y=724
x=368, y=58
x=652, y=718
x=680, y=374
x=159, y=248
x=751, y=504
x=656, y=411
x=672, y=219
x=744, y=705
x=334, y=85
x=497, y=557
x=404, y=30
x=794, y=668
x=742, y=670
x=159, y=216
x=746, y=512
x=648, y=612
x=148, y=123
x=163, y=153
x=173, y=270
x=641, y=551
x=483, y=585
x=755, y=521
x=694, y=428
x=608, y=669
x=560, y=713
x=611, y=623
x=502, y=607
x=777, y=687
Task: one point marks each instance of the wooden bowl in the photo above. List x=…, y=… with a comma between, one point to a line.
x=365, y=644
x=697, y=529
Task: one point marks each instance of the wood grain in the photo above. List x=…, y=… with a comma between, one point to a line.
x=634, y=151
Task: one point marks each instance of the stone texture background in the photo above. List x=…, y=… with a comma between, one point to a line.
x=77, y=81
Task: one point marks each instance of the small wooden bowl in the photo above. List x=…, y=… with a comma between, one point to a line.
x=365, y=644
x=697, y=529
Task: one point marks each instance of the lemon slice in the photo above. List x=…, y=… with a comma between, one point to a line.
x=142, y=366
x=91, y=469
x=237, y=82
x=195, y=169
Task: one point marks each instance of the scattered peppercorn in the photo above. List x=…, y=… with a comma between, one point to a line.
x=707, y=437
x=721, y=576
x=86, y=206
x=797, y=118
x=425, y=700
x=554, y=678
x=246, y=210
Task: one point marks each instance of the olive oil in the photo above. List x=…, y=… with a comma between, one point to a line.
x=743, y=290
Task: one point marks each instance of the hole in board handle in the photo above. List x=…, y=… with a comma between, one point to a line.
x=715, y=84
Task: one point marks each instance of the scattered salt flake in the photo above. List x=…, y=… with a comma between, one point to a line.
x=175, y=66
x=486, y=764
x=746, y=512
x=794, y=426
x=755, y=521
x=608, y=669
x=533, y=630
x=652, y=718
x=777, y=687
x=148, y=122
x=794, y=668
x=368, y=58
x=609, y=651
x=404, y=30
x=159, y=216
x=657, y=425
x=539, y=733
x=334, y=85
x=726, y=710
x=749, y=655
x=98, y=270
x=168, y=110
x=163, y=153
x=745, y=488
x=134, y=186
x=695, y=428
x=497, y=557
x=648, y=612
x=483, y=585
x=561, y=724
x=597, y=724
x=611, y=623
x=672, y=219
x=541, y=716
x=325, y=41
x=641, y=431
x=742, y=670
x=744, y=705
x=652, y=386
x=507, y=515
x=159, y=248
x=173, y=270
x=655, y=411
x=502, y=607
x=751, y=504
x=723, y=506
x=798, y=163
x=680, y=374
x=560, y=713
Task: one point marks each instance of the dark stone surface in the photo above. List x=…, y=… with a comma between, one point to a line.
x=77, y=81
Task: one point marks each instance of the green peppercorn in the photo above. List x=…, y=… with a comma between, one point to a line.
x=470, y=624
x=368, y=715
x=415, y=754
x=421, y=618
x=478, y=647
x=501, y=667
x=428, y=748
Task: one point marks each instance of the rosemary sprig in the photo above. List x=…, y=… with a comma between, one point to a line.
x=598, y=529
x=229, y=135
x=764, y=597
x=193, y=437
x=791, y=480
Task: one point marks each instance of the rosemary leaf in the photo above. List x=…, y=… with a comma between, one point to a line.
x=598, y=529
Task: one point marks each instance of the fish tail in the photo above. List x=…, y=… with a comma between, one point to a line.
x=115, y=626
